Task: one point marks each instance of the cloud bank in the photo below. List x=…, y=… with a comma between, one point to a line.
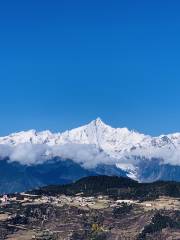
x=89, y=156
x=29, y=154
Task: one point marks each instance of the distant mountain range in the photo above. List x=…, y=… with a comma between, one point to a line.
x=30, y=159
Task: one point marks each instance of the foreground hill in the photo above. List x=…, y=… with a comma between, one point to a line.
x=116, y=187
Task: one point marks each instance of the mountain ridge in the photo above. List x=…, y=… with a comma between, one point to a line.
x=98, y=144
x=113, y=141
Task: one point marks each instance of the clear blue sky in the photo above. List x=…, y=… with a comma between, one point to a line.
x=63, y=63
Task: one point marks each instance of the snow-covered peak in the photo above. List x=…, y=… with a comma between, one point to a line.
x=31, y=136
x=97, y=121
x=111, y=140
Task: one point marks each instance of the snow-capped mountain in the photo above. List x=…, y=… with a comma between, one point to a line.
x=115, y=142
x=96, y=132
x=101, y=147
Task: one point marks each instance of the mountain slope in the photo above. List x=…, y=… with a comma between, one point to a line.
x=15, y=177
x=118, y=187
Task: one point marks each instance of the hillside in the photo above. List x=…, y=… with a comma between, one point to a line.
x=117, y=187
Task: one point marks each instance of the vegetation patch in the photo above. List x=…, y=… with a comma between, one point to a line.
x=158, y=223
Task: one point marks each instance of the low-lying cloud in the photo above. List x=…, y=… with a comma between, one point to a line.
x=89, y=156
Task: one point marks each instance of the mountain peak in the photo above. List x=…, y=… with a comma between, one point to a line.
x=98, y=122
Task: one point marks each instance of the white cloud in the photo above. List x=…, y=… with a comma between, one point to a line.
x=89, y=156
x=86, y=155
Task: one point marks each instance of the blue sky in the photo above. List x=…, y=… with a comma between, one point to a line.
x=64, y=63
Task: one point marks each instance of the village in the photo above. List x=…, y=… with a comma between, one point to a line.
x=99, y=202
x=25, y=216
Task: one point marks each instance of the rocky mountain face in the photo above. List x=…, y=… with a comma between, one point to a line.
x=40, y=158
x=15, y=177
